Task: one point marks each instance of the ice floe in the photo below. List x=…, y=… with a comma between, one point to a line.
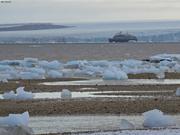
x=15, y=120
x=156, y=119
x=32, y=68
x=66, y=94
x=114, y=75
x=54, y=74
x=20, y=94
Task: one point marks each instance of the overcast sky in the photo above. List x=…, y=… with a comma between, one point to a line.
x=63, y=11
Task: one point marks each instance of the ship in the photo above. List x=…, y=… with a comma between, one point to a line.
x=120, y=37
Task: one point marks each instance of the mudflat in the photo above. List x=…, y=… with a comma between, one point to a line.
x=163, y=98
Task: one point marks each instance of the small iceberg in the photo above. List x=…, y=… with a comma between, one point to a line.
x=156, y=119
x=50, y=65
x=114, y=75
x=54, y=74
x=66, y=94
x=15, y=120
x=15, y=124
x=9, y=95
x=20, y=94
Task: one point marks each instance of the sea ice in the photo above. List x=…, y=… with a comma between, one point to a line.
x=30, y=75
x=54, y=74
x=66, y=94
x=32, y=68
x=50, y=65
x=19, y=95
x=155, y=118
x=16, y=120
x=23, y=95
x=9, y=95
x=114, y=75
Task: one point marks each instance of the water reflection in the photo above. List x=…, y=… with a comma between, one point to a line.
x=96, y=94
x=117, y=82
x=61, y=124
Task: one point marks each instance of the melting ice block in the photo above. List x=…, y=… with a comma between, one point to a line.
x=66, y=94
x=16, y=120
x=54, y=74
x=114, y=75
x=155, y=118
x=20, y=94
x=9, y=95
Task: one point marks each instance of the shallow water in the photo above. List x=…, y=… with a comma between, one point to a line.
x=54, y=95
x=61, y=124
x=96, y=94
x=117, y=82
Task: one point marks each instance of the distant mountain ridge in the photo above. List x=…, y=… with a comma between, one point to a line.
x=30, y=26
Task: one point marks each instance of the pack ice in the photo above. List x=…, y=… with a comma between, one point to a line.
x=32, y=68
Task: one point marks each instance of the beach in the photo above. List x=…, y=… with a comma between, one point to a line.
x=91, y=95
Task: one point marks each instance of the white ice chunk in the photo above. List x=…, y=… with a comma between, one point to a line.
x=50, y=65
x=39, y=71
x=160, y=75
x=31, y=60
x=131, y=63
x=114, y=75
x=125, y=124
x=30, y=75
x=16, y=119
x=177, y=68
x=76, y=64
x=66, y=94
x=5, y=68
x=155, y=118
x=19, y=95
x=23, y=95
x=54, y=74
x=9, y=95
x=5, y=77
x=72, y=64
x=178, y=92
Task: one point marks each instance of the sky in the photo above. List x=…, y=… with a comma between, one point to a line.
x=70, y=11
